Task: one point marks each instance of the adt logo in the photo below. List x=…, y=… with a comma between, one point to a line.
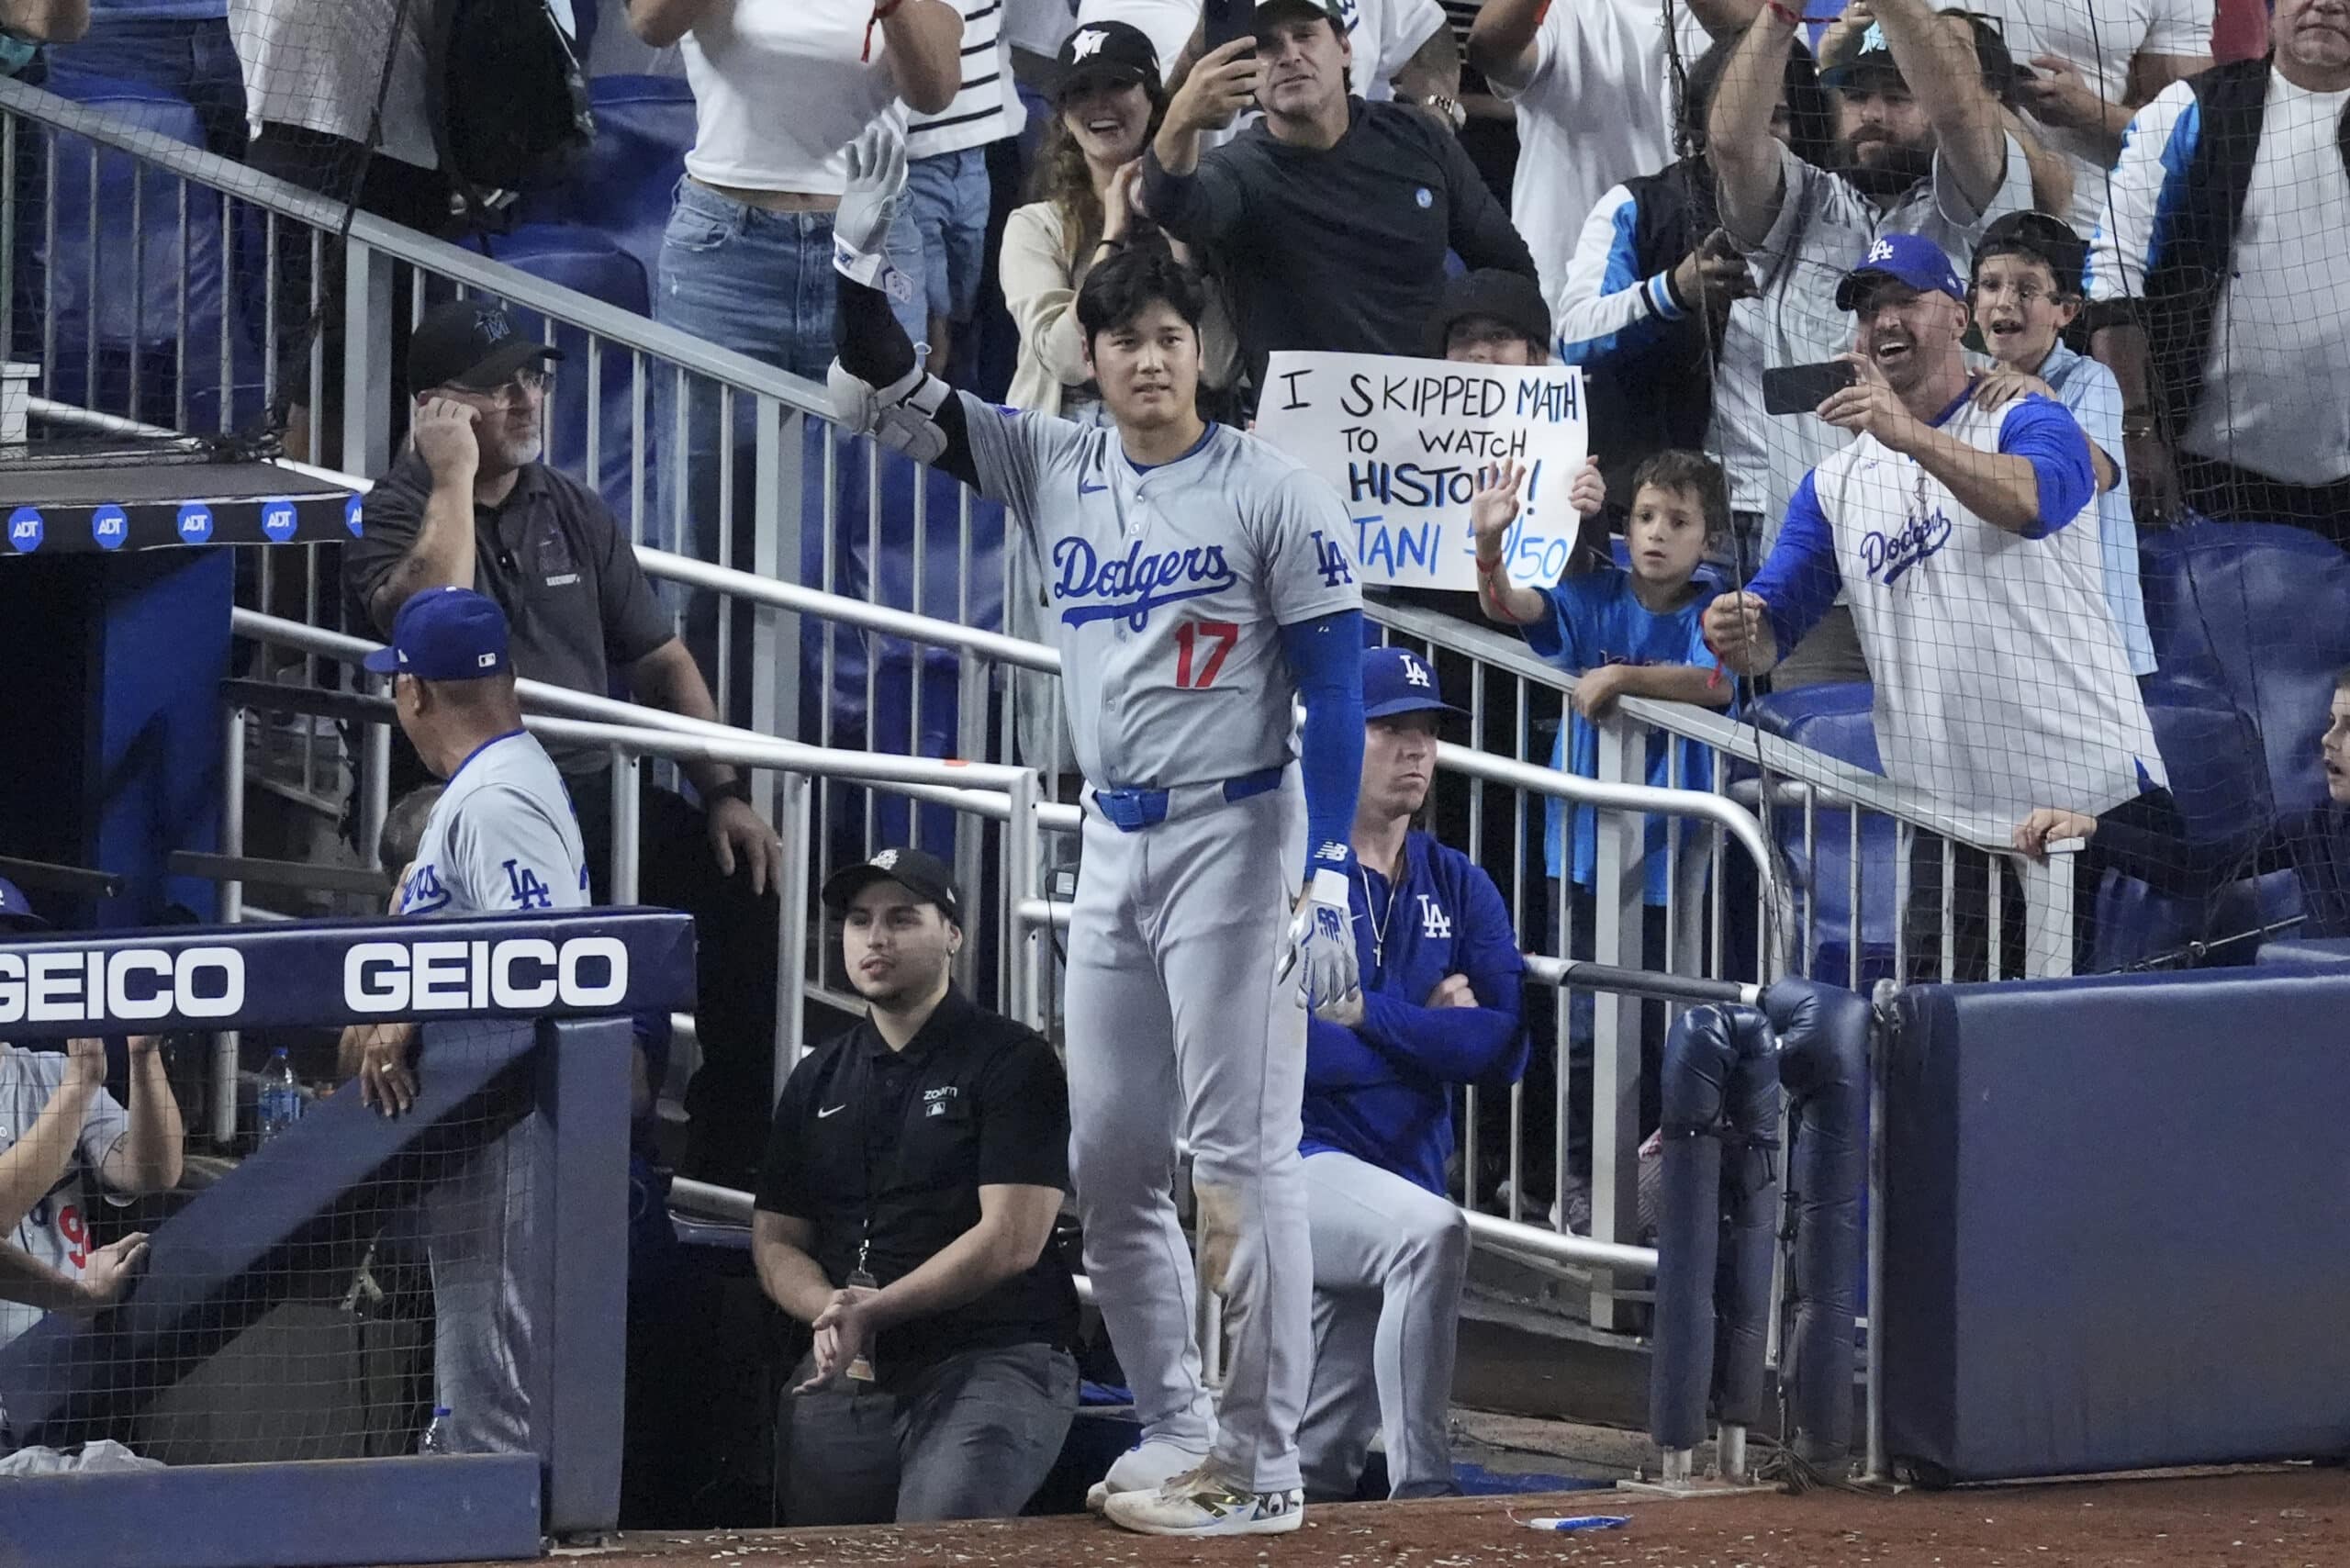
x=26, y=530
x=1330, y=560
x=277, y=521
x=196, y=523
x=350, y=516
x=109, y=528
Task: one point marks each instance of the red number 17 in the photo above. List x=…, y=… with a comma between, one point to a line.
x=1220, y=636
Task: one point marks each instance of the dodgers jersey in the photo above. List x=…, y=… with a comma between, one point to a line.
x=1166, y=589
x=1383, y=1090
x=2001, y=683
x=500, y=839
x=56, y=1231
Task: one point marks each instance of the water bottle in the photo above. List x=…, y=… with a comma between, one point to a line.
x=438, y=1438
x=281, y=1096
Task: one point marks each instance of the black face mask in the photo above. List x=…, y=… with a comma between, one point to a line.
x=1901, y=168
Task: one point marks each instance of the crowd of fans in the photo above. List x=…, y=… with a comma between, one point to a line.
x=2080, y=280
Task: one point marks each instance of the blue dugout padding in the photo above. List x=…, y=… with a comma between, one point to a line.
x=2116, y=1224
x=548, y=1036
x=1722, y=1071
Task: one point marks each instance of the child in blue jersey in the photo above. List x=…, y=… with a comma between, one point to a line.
x=1624, y=633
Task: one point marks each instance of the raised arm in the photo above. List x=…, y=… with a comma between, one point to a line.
x=147, y=1158
x=1938, y=65
x=1750, y=166
x=1501, y=41
x=1188, y=203
x=39, y=1160
x=443, y=553
x=663, y=22
x=925, y=53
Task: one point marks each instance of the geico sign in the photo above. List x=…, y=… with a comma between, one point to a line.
x=520, y=974
x=133, y=984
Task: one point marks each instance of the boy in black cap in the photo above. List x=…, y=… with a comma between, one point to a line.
x=904, y=1212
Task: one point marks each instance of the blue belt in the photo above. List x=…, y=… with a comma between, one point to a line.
x=1130, y=810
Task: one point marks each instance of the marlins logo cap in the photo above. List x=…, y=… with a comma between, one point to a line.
x=924, y=876
x=1116, y=54
x=472, y=344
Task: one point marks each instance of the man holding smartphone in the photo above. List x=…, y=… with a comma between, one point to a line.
x=1921, y=148
x=1330, y=217
x=1951, y=528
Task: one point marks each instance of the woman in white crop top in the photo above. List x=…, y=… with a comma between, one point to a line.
x=780, y=89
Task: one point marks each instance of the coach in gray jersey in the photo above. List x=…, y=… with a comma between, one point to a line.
x=501, y=840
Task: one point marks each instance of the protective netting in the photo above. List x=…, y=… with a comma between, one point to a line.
x=319, y=1288
x=2027, y=364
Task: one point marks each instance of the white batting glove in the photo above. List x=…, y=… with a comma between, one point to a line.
x=1322, y=941
x=869, y=205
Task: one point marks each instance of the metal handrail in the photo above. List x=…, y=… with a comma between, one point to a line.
x=1790, y=760
x=474, y=270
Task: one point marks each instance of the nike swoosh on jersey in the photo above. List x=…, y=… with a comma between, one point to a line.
x=1085, y=490
x=831, y=1111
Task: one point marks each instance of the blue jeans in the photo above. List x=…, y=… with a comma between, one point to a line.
x=948, y=194
x=187, y=58
x=762, y=284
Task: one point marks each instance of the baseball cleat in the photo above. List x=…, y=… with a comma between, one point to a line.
x=1202, y=1502
x=1143, y=1468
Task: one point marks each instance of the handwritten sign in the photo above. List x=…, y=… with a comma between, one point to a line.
x=1404, y=442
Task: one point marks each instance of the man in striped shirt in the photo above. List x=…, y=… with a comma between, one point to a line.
x=947, y=194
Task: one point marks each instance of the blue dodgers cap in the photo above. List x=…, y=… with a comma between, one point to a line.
x=1397, y=680
x=445, y=634
x=1905, y=258
x=17, y=911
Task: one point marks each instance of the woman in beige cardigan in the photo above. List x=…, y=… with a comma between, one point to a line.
x=1107, y=108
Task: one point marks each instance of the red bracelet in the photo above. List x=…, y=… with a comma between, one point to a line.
x=881, y=13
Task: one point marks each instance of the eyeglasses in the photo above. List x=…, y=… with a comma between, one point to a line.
x=524, y=384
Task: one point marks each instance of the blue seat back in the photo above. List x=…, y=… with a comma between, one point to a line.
x=1834, y=720
x=2254, y=612
x=116, y=256
x=580, y=258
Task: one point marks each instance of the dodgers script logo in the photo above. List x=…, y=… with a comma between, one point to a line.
x=1888, y=555
x=1130, y=587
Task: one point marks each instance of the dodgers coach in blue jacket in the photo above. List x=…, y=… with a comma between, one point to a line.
x=1439, y=1007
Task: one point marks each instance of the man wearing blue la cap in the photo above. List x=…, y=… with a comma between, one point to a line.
x=1439, y=1007
x=1979, y=605
x=501, y=840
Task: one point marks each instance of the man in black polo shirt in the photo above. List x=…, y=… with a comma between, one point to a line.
x=1330, y=217
x=470, y=505
x=904, y=1212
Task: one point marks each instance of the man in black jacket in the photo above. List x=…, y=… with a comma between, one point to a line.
x=1330, y=219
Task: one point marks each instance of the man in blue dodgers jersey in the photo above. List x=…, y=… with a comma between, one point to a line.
x=499, y=840
x=1999, y=674
x=1439, y=1007
x=1202, y=586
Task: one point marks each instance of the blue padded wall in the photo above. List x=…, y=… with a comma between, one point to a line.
x=2117, y=1223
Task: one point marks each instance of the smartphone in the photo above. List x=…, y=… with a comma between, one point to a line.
x=1223, y=20
x=1800, y=388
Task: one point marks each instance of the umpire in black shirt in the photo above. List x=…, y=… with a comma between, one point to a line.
x=904, y=1210
x=1328, y=220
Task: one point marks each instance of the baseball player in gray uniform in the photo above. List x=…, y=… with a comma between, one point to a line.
x=1199, y=585
x=500, y=839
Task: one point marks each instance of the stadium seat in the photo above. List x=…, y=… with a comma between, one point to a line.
x=1834, y=720
x=2254, y=611
x=580, y=258
x=116, y=289
x=643, y=126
